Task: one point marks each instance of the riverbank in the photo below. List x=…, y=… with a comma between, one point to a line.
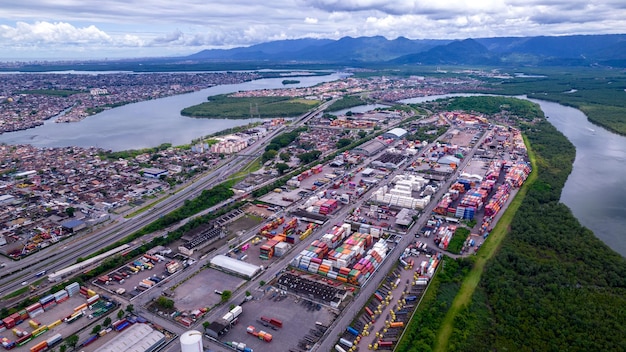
x=148, y=123
x=552, y=278
x=487, y=251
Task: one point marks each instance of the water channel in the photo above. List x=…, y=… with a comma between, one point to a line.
x=148, y=123
x=596, y=189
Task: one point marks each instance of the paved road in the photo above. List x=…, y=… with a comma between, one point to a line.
x=340, y=325
x=82, y=245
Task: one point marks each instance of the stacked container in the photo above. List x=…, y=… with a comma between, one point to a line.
x=34, y=310
x=61, y=296
x=72, y=289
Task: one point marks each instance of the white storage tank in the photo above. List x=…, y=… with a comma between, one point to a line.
x=191, y=341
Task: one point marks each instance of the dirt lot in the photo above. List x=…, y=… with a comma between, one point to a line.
x=258, y=211
x=244, y=224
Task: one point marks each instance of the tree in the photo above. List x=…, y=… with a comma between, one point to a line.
x=285, y=156
x=205, y=325
x=343, y=142
x=72, y=340
x=281, y=167
x=269, y=155
x=261, y=283
x=70, y=211
x=63, y=348
x=226, y=295
x=165, y=303
x=130, y=308
x=362, y=133
x=248, y=293
x=231, y=307
x=96, y=329
x=120, y=314
x=107, y=321
x=309, y=156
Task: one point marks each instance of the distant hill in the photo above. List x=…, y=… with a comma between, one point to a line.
x=362, y=49
x=460, y=52
x=607, y=49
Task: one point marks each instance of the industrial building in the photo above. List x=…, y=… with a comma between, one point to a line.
x=137, y=338
x=73, y=226
x=152, y=172
x=235, y=266
x=370, y=148
x=199, y=238
x=449, y=160
x=395, y=133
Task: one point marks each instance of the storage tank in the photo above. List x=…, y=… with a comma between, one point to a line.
x=191, y=341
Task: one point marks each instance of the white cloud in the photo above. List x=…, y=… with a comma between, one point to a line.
x=52, y=33
x=161, y=25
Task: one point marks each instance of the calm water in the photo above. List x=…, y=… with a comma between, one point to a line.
x=148, y=123
x=596, y=188
x=360, y=108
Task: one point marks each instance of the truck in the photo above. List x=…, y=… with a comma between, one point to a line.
x=275, y=322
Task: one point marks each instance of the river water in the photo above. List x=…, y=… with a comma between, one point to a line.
x=594, y=191
x=149, y=123
x=596, y=188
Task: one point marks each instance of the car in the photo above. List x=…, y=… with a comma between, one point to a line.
x=24, y=283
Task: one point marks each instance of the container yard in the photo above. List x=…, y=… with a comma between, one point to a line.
x=278, y=321
x=139, y=275
x=380, y=323
x=43, y=324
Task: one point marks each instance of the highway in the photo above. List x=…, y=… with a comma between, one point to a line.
x=340, y=325
x=66, y=252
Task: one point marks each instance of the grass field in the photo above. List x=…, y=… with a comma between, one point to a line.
x=487, y=250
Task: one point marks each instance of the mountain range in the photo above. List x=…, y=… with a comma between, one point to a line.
x=574, y=50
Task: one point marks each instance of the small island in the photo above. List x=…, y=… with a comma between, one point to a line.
x=290, y=81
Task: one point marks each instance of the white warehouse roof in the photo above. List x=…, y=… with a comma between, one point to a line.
x=236, y=266
x=137, y=338
x=396, y=133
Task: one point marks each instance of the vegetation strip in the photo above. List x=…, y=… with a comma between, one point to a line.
x=487, y=250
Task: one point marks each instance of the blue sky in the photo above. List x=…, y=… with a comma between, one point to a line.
x=79, y=29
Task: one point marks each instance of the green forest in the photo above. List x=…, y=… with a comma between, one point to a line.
x=346, y=102
x=495, y=105
x=553, y=285
x=227, y=107
x=598, y=92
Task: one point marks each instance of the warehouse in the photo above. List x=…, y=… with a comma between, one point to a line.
x=152, y=172
x=73, y=226
x=369, y=148
x=449, y=160
x=137, y=338
x=235, y=266
x=395, y=133
x=217, y=328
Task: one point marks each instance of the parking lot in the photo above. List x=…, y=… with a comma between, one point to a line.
x=199, y=290
x=299, y=319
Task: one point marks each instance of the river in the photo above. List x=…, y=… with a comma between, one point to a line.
x=148, y=123
x=596, y=189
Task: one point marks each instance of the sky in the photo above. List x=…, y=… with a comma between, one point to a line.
x=109, y=29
